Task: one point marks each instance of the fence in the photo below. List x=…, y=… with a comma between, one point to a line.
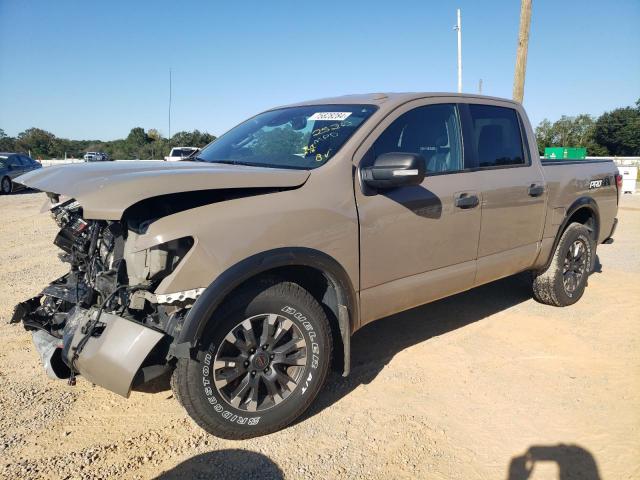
x=620, y=161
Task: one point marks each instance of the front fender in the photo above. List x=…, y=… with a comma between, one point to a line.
x=199, y=315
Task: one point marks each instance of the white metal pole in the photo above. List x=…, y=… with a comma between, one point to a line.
x=169, y=105
x=459, y=29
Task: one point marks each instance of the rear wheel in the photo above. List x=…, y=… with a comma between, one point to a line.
x=564, y=281
x=6, y=186
x=264, y=358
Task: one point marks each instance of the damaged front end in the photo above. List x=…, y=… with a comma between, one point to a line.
x=102, y=320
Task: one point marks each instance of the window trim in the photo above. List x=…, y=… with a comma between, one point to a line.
x=459, y=123
x=374, y=106
x=523, y=140
x=359, y=156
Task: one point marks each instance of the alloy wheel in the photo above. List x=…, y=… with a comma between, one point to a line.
x=260, y=362
x=575, y=266
x=6, y=185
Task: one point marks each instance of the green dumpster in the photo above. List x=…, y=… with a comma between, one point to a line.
x=565, y=153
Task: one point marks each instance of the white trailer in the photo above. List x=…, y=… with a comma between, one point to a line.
x=629, y=177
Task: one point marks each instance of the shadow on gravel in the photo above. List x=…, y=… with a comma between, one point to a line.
x=225, y=464
x=597, y=266
x=573, y=461
x=377, y=343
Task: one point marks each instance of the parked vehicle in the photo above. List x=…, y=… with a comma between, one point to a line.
x=96, y=157
x=181, y=153
x=13, y=165
x=245, y=271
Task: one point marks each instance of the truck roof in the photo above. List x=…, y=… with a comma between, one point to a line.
x=393, y=98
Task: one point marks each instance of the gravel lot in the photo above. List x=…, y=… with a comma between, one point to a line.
x=461, y=388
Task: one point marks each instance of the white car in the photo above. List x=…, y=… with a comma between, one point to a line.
x=96, y=157
x=180, y=153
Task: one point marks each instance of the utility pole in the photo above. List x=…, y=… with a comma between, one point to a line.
x=169, y=104
x=458, y=27
x=480, y=87
x=523, y=45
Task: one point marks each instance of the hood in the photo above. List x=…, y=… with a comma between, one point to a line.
x=106, y=189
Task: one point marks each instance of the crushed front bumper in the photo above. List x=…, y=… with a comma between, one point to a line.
x=110, y=355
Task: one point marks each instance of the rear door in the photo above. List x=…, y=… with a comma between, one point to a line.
x=512, y=188
x=418, y=243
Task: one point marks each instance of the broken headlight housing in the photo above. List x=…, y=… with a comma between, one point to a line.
x=155, y=263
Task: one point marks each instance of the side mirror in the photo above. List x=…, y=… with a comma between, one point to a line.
x=395, y=169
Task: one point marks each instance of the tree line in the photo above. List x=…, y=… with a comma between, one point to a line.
x=139, y=144
x=613, y=133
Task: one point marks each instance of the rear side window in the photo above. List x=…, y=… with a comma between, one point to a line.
x=496, y=136
x=431, y=131
x=181, y=152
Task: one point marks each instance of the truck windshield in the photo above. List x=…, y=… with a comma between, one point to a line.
x=302, y=137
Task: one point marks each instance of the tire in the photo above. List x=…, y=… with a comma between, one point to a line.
x=229, y=362
x=6, y=186
x=564, y=281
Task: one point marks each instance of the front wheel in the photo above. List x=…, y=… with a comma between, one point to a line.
x=265, y=356
x=564, y=281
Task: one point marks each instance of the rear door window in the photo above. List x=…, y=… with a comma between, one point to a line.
x=496, y=139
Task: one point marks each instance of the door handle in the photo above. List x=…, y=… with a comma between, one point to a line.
x=536, y=190
x=465, y=201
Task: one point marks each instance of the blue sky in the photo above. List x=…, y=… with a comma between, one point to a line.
x=94, y=70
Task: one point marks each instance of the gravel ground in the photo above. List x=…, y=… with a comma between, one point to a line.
x=486, y=384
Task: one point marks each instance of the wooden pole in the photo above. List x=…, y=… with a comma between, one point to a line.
x=523, y=45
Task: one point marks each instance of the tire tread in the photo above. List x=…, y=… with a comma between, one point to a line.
x=546, y=283
x=184, y=392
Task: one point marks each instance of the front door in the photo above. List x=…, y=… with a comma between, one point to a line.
x=418, y=243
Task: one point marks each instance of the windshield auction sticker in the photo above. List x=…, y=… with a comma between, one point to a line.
x=330, y=116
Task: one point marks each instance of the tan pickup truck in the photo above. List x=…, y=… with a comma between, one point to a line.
x=244, y=272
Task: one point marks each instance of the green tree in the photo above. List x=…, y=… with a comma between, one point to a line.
x=569, y=132
x=544, y=135
x=7, y=143
x=191, y=139
x=39, y=142
x=137, y=137
x=619, y=131
x=153, y=134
